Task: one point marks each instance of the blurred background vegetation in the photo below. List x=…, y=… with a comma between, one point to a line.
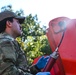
x=33, y=41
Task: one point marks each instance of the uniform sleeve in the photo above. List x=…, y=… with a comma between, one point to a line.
x=23, y=64
x=8, y=60
x=22, y=60
x=34, y=69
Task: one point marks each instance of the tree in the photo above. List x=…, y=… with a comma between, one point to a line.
x=33, y=40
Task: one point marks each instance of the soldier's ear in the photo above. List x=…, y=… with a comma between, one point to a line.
x=8, y=24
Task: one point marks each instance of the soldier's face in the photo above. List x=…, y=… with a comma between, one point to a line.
x=16, y=28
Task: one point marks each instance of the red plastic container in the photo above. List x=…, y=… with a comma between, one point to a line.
x=66, y=63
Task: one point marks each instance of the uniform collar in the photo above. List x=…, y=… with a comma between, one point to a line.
x=7, y=36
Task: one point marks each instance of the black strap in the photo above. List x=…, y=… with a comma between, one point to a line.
x=61, y=39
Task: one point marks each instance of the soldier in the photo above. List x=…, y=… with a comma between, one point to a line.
x=12, y=58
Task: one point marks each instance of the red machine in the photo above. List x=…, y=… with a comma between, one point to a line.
x=62, y=34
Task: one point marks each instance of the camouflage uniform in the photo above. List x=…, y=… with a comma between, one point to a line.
x=12, y=58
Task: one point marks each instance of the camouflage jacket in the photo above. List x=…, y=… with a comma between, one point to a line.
x=12, y=58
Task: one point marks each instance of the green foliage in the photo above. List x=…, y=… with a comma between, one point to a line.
x=36, y=48
x=8, y=7
x=33, y=40
x=31, y=27
x=36, y=43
